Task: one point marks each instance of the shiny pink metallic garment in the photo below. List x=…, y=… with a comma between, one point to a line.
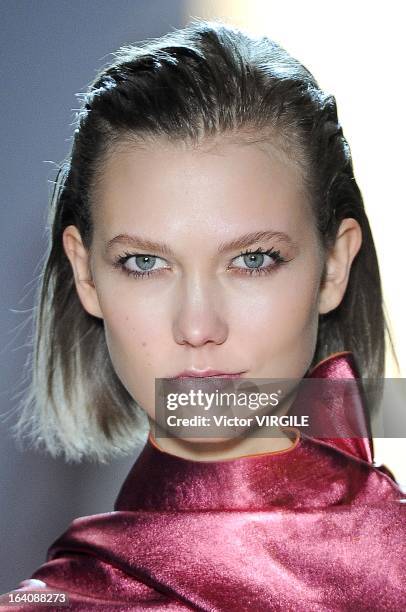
x=315, y=527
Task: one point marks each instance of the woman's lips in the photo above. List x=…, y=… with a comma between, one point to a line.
x=207, y=374
x=208, y=380
x=206, y=384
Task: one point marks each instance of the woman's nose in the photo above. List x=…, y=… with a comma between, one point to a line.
x=200, y=316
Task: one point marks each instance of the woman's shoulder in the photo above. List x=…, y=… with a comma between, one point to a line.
x=166, y=560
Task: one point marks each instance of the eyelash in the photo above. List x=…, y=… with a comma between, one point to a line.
x=275, y=255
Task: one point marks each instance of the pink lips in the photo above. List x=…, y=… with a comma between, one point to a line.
x=207, y=373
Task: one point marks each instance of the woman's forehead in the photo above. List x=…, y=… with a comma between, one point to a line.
x=220, y=180
x=187, y=197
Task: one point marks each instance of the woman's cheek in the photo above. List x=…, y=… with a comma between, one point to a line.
x=280, y=323
x=134, y=336
x=268, y=305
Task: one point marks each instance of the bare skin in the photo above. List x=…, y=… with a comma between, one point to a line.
x=201, y=307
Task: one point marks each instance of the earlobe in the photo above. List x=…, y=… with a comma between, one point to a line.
x=78, y=256
x=338, y=265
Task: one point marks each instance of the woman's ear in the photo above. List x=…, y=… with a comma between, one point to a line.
x=78, y=256
x=338, y=265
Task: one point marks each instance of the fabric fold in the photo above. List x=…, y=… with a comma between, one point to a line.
x=314, y=527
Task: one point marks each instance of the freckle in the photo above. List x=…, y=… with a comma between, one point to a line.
x=144, y=343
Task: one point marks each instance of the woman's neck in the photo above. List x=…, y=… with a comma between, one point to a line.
x=221, y=449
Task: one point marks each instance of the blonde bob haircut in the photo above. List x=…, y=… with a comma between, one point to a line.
x=204, y=80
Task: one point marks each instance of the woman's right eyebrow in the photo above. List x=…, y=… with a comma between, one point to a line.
x=241, y=242
x=141, y=243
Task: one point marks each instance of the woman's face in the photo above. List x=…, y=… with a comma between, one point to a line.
x=172, y=280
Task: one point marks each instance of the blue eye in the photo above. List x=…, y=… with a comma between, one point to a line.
x=145, y=262
x=143, y=265
x=254, y=260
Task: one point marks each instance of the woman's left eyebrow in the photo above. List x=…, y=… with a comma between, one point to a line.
x=244, y=241
x=251, y=238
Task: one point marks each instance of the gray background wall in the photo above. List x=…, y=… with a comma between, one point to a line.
x=49, y=50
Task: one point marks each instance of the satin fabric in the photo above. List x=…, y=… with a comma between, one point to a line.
x=318, y=526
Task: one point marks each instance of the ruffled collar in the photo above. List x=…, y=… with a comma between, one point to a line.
x=291, y=477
